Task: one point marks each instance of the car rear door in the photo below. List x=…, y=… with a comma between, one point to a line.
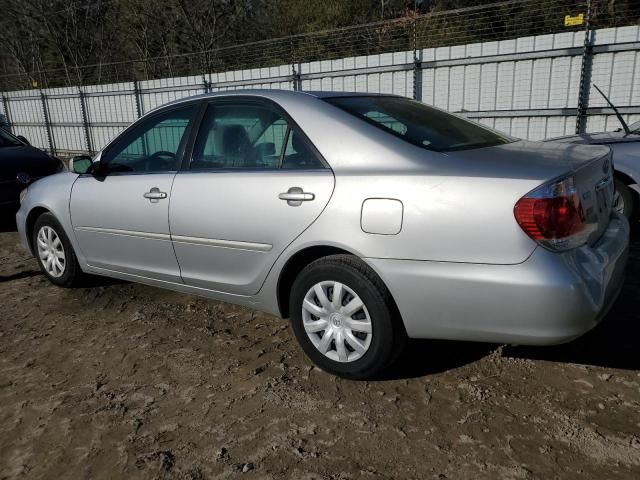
x=120, y=216
x=253, y=184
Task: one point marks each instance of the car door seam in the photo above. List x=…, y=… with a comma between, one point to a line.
x=173, y=180
x=333, y=189
x=73, y=228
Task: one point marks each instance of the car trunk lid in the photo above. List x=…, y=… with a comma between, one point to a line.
x=547, y=166
x=527, y=160
x=595, y=188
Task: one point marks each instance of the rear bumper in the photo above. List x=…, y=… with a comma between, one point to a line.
x=548, y=299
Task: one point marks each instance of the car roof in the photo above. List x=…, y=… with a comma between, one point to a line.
x=275, y=94
x=328, y=94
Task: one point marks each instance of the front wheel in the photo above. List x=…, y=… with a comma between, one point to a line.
x=54, y=252
x=344, y=318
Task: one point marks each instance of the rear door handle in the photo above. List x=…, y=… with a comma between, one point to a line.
x=154, y=195
x=295, y=196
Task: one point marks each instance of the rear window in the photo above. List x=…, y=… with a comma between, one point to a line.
x=419, y=124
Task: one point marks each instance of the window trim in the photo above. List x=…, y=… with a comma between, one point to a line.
x=284, y=147
x=186, y=136
x=246, y=100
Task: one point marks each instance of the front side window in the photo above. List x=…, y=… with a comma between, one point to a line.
x=419, y=124
x=152, y=146
x=247, y=136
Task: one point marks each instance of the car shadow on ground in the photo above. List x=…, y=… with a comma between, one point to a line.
x=428, y=357
x=612, y=344
x=19, y=275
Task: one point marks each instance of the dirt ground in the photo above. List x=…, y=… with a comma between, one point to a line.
x=127, y=381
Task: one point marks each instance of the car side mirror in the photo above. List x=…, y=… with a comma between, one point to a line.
x=80, y=164
x=23, y=140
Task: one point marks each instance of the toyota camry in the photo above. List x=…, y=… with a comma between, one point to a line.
x=365, y=219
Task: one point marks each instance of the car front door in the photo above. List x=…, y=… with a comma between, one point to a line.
x=254, y=183
x=120, y=214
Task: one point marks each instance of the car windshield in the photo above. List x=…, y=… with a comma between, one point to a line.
x=8, y=140
x=419, y=124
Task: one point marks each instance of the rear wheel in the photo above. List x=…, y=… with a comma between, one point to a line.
x=344, y=318
x=54, y=252
x=625, y=200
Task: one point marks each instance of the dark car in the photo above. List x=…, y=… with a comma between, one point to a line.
x=20, y=165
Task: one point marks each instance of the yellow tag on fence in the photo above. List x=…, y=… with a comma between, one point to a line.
x=570, y=21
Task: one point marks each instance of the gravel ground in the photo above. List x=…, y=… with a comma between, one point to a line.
x=127, y=381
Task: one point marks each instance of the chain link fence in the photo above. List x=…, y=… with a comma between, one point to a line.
x=524, y=67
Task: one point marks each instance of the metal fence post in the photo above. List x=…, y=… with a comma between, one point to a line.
x=296, y=79
x=47, y=122
x=85, y=121
x=207, y=84
x=136, y=92
x=417, y=76
x=585, y=75
x=7, y=115
x=417, y=64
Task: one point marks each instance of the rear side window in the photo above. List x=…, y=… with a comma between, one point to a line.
x=298, y=154
x=419, y=124
x=249, y=136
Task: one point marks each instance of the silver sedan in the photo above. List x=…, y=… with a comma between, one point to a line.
x=365, y=219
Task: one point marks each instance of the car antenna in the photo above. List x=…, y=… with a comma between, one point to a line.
x=624, y=124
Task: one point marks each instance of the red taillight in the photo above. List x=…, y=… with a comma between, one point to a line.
x=552, y=215
x=549, y=218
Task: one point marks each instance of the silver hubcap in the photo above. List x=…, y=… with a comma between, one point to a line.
x=337, y=321
x=51, y=251
x=618, y=202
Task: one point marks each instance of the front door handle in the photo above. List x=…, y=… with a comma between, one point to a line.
x=154, y=195
x=295, y=196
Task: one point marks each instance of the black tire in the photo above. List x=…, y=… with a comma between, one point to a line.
x=388, y=336
x=72, y=275
x=629, y=198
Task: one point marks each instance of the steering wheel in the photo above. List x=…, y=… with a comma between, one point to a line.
x=161, y=160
